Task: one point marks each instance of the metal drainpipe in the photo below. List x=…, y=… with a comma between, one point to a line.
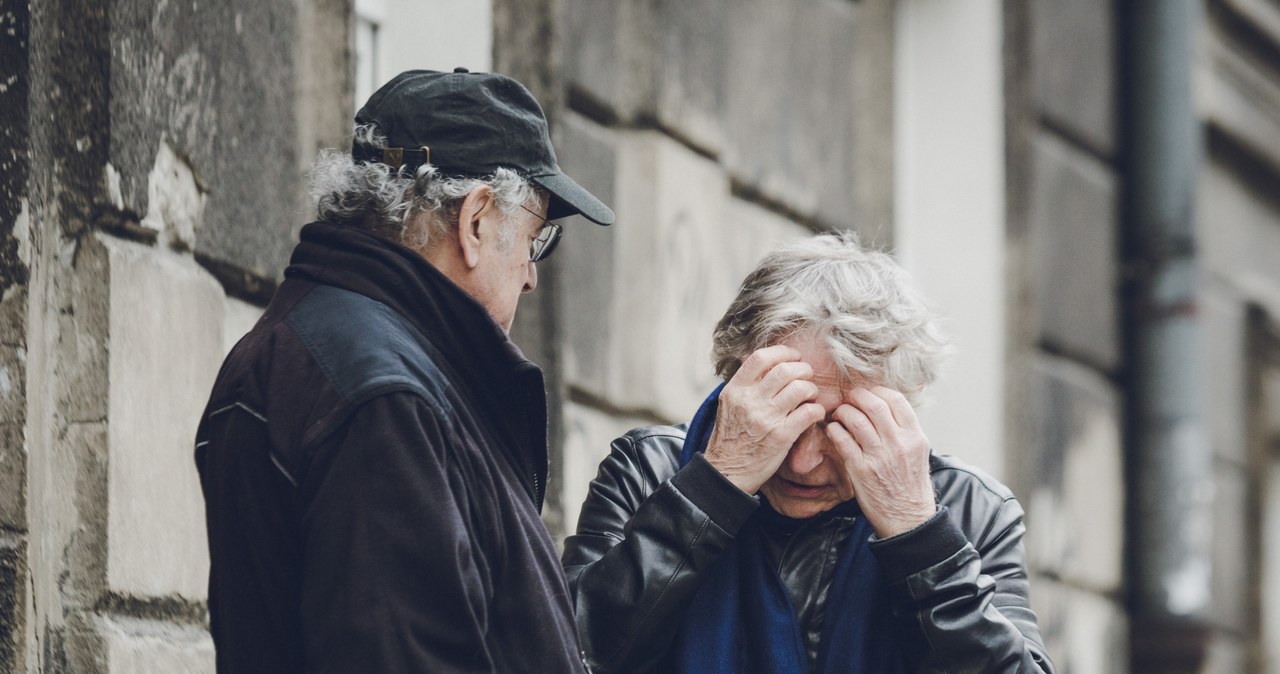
x=1171, y=470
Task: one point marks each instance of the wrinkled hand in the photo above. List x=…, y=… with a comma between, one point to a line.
x=886, y=458
x=763, y=409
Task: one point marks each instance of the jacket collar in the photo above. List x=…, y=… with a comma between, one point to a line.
x=473, y=344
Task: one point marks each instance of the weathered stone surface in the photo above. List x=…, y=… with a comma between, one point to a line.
x=13, y=603
x=135, y=646
x=166, y=332
x=1239, y=97
x=1083, y=632
x=710, y=73
x=585, y=255
x=191, y=75
x=1269, y=593
x=1227, y=655
x=588, y=432
x=175, y=202
x=13, y=478
x=693, y=52
x=1075, y=512
x=1238, y=232
x=676, y=276
x=1230, y=585
x=240, y=318
x=1222, y=350
x=596, y=44
x=645, y=302
x=790, y=102
x=1073, y=47
x=324, y=88
x=15, y=112
x=1073, y=225
x=81, y=276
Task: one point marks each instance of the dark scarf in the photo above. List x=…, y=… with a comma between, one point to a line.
x=742, y=620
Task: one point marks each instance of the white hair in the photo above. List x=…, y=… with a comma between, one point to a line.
x=858, y=302
x=411, y=209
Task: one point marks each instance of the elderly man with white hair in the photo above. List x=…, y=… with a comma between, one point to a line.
x=802, y=522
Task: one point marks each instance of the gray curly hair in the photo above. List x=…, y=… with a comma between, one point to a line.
x=389, y=202
x=858, y=301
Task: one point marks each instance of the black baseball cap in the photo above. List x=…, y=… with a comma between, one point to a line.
x=469, y=125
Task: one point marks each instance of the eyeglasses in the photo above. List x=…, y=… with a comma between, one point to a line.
x=546, y=240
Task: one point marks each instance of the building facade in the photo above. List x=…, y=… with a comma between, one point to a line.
x=151, y=185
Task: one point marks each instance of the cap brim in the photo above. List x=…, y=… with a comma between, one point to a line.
x=570, y=198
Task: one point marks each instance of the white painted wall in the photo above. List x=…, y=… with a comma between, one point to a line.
x=949, y=200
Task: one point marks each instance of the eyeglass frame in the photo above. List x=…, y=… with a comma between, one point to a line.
x=543, y=244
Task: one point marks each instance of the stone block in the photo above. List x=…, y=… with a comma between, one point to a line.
x=610, y=56
x=13, y=477
x=584, y=258
x=1073, y=229
x=1074, y=57
x=81, y=281
x=588, y=433
x=1083, y=631
x=1269, y=593
x=240, y=319
x=175, y=202
x=1223, y=349
x=674, y=276
x=693, y=51
x=1231, y=584
x=13, y=389
x=166, y=344
x=748, y=234
x=1075, y=512
x=790, y=111
x=13, y=603
x=13, y=315
x=191, y=75
x=639, y=310
x=1237, y=234
x=1226, y=655
x=1237, y=96
x=138, y=646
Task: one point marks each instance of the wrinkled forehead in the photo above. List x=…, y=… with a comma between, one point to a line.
x=832, y=379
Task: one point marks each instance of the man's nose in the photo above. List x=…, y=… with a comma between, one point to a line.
x=531, y=280
x=806, y=454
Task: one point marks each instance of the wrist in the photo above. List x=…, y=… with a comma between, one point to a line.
x=902, y=522
x=733, y=471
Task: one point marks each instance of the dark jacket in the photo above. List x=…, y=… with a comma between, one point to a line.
x=650, y=530
x=373, y=459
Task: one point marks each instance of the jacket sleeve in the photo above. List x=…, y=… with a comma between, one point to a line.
x=643, y=544
x=394, y=579
x=970, y=603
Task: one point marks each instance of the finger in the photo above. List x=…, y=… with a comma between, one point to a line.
x=799, y=420
x=794, y=393
x=856, y=424
x=781, y=375
x=845, y=453
x=876, y=410
x=849, y=451
x=903, y=412
x=761, y=361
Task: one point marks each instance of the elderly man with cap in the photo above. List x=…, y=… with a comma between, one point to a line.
x=801, y=522
x=373, y=455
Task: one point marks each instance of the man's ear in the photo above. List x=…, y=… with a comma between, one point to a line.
x=478, y=206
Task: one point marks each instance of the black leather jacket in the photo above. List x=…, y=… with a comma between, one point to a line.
x=649, y=530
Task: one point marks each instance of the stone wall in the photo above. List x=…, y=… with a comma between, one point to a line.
x=1238, y=225
x=713, y=144
x=1065, y=415
x=154, y=164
